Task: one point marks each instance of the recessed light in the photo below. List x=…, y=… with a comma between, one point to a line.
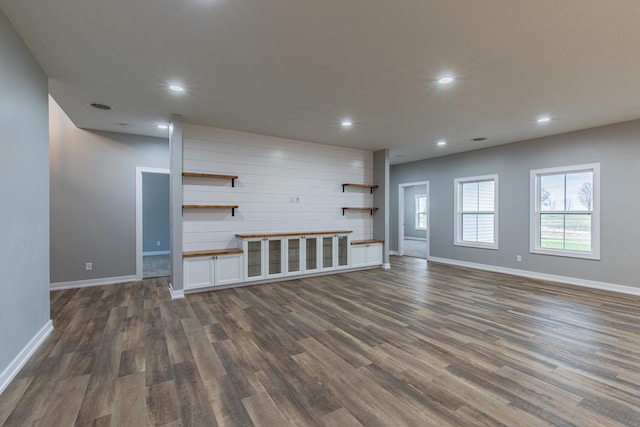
x=161, y=126
x=441, y=143
x=346, y=123
x=445, y=80
x=176, y=88
x=544, y=119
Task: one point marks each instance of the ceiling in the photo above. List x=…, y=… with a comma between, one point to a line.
x=296, y=68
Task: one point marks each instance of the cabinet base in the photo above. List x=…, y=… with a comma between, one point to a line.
x=279, y=279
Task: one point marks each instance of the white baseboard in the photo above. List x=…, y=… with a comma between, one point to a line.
x=386, y=266
x=156, y=253
x=394, y=253
x=422, y=239
x=93, y=282
x=612, y=287
x=18, y=362
x=175, y=294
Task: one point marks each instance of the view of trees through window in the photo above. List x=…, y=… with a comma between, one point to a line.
x=566, y=208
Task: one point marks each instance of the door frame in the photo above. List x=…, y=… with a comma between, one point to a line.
x=401, y=189
x=139, y=171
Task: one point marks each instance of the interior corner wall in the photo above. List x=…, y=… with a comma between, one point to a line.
x=616, y=147
x=175, y=201
x=93, y=198
x=381, y=176
x=24, y=217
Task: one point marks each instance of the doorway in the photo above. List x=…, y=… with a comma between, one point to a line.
x=413, y=219
x=153, y=246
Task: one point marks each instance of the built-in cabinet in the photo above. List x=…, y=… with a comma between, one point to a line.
x=270, y=256
x=366, y=252
x=212, y=268
x=275, y=255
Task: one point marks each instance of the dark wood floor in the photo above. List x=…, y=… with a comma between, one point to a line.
x=415, y=345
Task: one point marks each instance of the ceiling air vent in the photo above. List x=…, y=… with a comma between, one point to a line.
x=100, y=106
x=478, y=139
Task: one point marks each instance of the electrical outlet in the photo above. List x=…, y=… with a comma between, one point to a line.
x=518, y=258
x=88, y=266
x=158, y=243
x=297, y=199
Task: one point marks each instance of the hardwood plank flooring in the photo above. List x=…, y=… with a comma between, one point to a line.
x=417, y=345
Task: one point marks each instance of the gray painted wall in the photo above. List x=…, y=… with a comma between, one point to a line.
x=155, y=212
x=24, y=191
x=93, y=200
x=381, y=171
x=615, y=147
x=175, y=214
x=410, y=194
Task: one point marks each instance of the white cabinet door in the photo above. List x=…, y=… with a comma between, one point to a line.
x=374, y=254
x=228, y=269
x=274, y=251
x=341, y=255
x=253, y=259
x=358, y=255
x=198, y=272
x=209, y=271
x=294, y=255
x=366, y=254
x=311, y=254
x=327, y=245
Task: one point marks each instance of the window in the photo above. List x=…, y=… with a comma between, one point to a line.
x=476, y=222
x=421, y=212
x=565, y=217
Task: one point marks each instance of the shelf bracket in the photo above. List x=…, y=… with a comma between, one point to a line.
x=343, y=209
x=233, y=211
x=343, y=187
x=233, y=183
x=371, y=189
x=371, y=212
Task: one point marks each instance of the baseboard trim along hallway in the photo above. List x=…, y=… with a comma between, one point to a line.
x=603, y=286
x=18, y=362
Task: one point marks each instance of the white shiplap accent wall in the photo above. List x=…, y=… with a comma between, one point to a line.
x=271, y=171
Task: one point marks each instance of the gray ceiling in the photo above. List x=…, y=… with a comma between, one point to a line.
x=296, y=68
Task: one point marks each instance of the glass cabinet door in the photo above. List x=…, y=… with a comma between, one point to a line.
x=311, y=249
x=327, y=252
x=343, y=251
x=293, y=255
x=254, y=258
x=275, y=257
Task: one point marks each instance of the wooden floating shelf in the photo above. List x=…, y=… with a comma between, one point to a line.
x=369, y=186
x=366, y=242
x=212, y=252
x=211, y=175
x=232, y=207
x=370, y=209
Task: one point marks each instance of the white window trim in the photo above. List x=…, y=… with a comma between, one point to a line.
x=416, y=212
x=458, y=213
x=534, y=212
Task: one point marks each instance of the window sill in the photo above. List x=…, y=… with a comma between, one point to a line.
x=566, y=254
x=476, y=245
